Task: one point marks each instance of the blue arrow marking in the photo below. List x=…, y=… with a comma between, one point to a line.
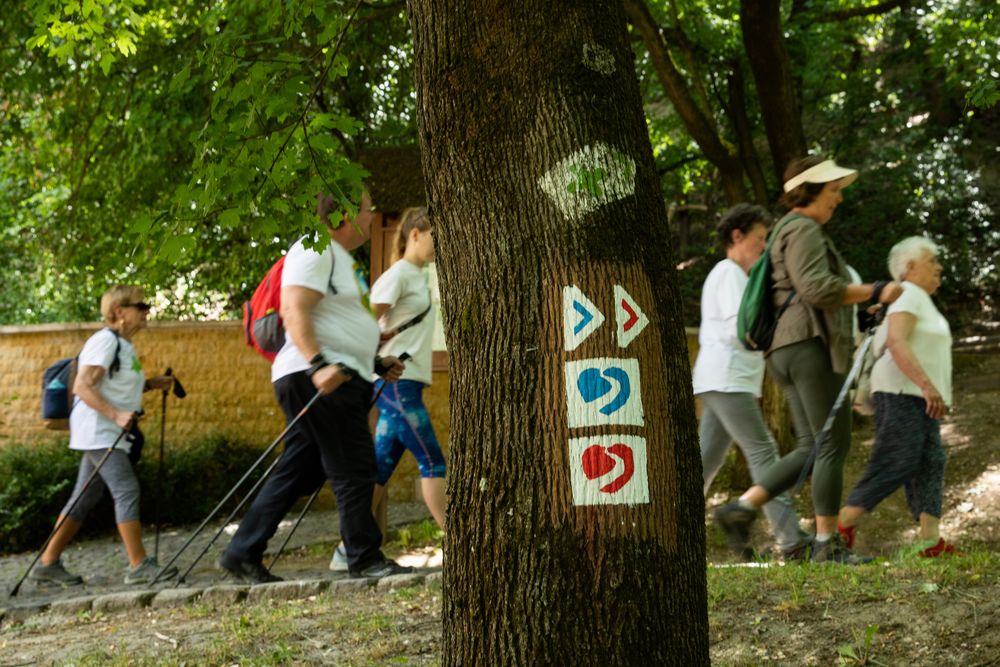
x=585, y=317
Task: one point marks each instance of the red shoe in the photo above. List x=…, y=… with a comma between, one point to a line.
x=847, y=532
x=942, y=548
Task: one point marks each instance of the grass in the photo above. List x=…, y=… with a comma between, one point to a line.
x=403, y=627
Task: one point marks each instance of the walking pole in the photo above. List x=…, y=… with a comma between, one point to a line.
x=828, y=425
x=312, y=498
x=179, y=393
x=402, y=357
x=69, y=509
x=305, y=509
x=238, y=484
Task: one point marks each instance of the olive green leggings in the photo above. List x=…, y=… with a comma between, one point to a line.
x=805, y=375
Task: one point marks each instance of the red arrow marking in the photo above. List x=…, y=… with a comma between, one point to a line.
x=633, y=318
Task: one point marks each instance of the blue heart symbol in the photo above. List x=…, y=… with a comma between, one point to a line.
x=593, y=384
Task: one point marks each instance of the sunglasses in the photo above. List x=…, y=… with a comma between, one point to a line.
x=142, y=305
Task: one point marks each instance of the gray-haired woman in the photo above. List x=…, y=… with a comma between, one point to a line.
x=911, y=387
x=811, y=352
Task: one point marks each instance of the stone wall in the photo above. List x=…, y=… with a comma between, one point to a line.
x=228, y=386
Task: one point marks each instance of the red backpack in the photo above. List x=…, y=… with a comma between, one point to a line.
x=263, y=329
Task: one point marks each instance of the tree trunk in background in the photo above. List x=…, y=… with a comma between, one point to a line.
x=736, y=109
x=764, y=41
x=576, y=519
x=700, y=126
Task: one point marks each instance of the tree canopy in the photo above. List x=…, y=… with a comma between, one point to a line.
x=180, y=144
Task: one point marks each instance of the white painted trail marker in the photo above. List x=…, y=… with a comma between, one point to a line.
x=588, y=179
x=580, y=317
x=603, y=390
x=609, y=470
x=630, y=318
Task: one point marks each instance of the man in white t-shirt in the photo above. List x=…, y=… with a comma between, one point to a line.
x=330, y=346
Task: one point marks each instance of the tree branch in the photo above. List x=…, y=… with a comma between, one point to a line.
x=855, y=12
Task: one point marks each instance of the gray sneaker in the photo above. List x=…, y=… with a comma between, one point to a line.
x=339, y=561
x=382, y=568
x=834, y=550
x=54, y=574
x=147, y=570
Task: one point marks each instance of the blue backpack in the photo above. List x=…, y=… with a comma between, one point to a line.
x=57, y=387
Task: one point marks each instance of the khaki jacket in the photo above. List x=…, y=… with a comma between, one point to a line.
x=803, y=257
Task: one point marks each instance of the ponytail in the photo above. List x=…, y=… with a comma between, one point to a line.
x=412, y=218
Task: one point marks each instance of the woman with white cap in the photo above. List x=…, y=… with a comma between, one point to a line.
x=811, y=352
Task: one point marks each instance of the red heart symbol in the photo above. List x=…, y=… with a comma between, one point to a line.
x=624, y=452
x=596, y=463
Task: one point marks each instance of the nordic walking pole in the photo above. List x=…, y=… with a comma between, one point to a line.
x=238, y=484
x=159, y=473
x=402, y=357
x=828, y=425
x=312, y=498
x=288, y=537
x=69, y=509
x=179, y=393
x=239, y=506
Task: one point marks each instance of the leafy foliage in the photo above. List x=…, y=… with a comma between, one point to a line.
x=36, y=480
x=180, y=145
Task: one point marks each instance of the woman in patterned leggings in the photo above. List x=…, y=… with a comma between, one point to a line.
x=911, y=387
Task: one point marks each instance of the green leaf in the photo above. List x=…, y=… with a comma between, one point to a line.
x=230, y=217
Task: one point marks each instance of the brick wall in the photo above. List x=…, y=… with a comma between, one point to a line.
x=228, y=385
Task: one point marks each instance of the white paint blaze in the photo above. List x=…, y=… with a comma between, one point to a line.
x=598, y=58
x=588, y=179
x=602, y=391
x=609, y=470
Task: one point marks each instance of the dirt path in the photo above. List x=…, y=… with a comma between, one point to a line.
x=916, y=612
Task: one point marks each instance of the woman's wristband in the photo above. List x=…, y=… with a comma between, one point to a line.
x=877, y=288
x=316, y=363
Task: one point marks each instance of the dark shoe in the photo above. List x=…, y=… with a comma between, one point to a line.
x=847, y=532
x=252, y=573
x=834, y=550
x=54, y=573
x=381, y=569
x=735, y=520
x=148, y=570
x=800, y=553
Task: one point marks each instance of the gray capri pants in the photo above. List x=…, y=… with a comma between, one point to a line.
x=728, y=416
x=116, y=475
x=804, y=372
x=908, y=453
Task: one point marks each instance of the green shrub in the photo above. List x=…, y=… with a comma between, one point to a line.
x=36, y=481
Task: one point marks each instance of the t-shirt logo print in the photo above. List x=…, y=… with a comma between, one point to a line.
x=136, y=365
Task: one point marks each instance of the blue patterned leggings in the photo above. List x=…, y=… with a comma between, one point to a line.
x=908, y=453
x=403, y=424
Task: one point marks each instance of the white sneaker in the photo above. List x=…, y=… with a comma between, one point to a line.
x=339, y=561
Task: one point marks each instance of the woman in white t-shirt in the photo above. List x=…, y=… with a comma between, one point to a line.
x=401, y=300
x=108, y=388
x=911, y=388
x=727, y=377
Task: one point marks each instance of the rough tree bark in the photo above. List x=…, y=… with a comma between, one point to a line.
x=576, y=521
x=764, y=41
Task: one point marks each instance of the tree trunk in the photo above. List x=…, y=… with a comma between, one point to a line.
x=576, y=521
x=737, y=112
x=764, y=41
x=698, y=125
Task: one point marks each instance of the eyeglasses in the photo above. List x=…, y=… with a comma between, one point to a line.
x=142, y=305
